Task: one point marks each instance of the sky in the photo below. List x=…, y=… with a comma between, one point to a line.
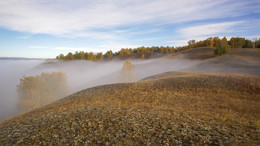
x=47, y=28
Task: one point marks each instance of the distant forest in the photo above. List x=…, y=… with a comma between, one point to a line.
x=234, y=42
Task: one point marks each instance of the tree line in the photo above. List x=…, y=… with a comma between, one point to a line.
x=224, y=44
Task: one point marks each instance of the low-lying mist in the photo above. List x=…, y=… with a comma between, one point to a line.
x=80, y=75
x=10, y=74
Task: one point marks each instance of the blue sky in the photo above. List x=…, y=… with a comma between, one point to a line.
x=46, y=28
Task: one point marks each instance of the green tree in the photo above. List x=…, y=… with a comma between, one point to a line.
x=222, y=47
x=215, y=40
x=237, y=42
x=248, y=44
x=256, y=43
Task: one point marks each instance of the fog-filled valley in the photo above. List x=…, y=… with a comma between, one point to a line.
x=11, y=72
x=80, y=74
x=127, y=72
x=69, y=94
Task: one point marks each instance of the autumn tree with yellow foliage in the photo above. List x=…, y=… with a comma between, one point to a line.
x=37, y=91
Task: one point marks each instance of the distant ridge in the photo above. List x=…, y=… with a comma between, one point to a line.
x=19, y=58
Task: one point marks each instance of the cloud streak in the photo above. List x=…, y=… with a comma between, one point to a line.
x=38, y=47
x=208, y=29
x=84, y=18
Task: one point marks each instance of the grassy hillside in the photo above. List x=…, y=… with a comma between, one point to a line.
x=170, y=108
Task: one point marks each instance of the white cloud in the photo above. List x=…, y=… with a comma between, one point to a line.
x=208, y=29
x=84, y=18
x=38, y=47
x=71, y=49
x=114, y=46
x=177, y=43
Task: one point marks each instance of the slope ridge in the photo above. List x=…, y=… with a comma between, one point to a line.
x=170, y=108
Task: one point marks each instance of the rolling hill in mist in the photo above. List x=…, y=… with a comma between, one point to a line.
x=191, y=97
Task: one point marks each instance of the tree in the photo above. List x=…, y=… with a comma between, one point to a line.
x=39, y=90
x=191, y=43
x=224, y=39
x=172, y=50
x=86, y=55
x=61, y=56
x=109, y=54
x=99, y=56
x=221, y=47
x=92, y=56
x=82, y=55
x=142, y=56
x=128, y=65
x=127, y=74
x=124, y=52
x=237, y=42
x=215, y=40
x=162, y=49
x=240, y=42
x=248, y=44
x=211, y=43
x=256, y=43
x=69, y=56
x=76, y=55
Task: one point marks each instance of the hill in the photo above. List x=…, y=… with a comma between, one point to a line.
x=239, y=60
x=181, y=108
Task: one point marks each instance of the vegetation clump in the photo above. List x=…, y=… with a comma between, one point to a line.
x=39, y=90
x=127, y=74
x=143, y=52
x=128, y=65
x=222, y=47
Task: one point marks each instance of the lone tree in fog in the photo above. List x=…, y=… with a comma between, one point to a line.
x=128, y=65
x=39, y=90
x=142, y=56
x=127, y=74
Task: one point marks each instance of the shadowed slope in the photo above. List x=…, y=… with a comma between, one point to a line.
x=194, y=53
x=239, y=60
x=170, y=108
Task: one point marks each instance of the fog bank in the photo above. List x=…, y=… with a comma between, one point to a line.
x=80, y=75
x=10, y=74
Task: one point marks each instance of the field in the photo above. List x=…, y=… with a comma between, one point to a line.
x=176, y=108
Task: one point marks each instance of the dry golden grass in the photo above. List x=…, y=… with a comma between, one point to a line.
x=170, y=108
